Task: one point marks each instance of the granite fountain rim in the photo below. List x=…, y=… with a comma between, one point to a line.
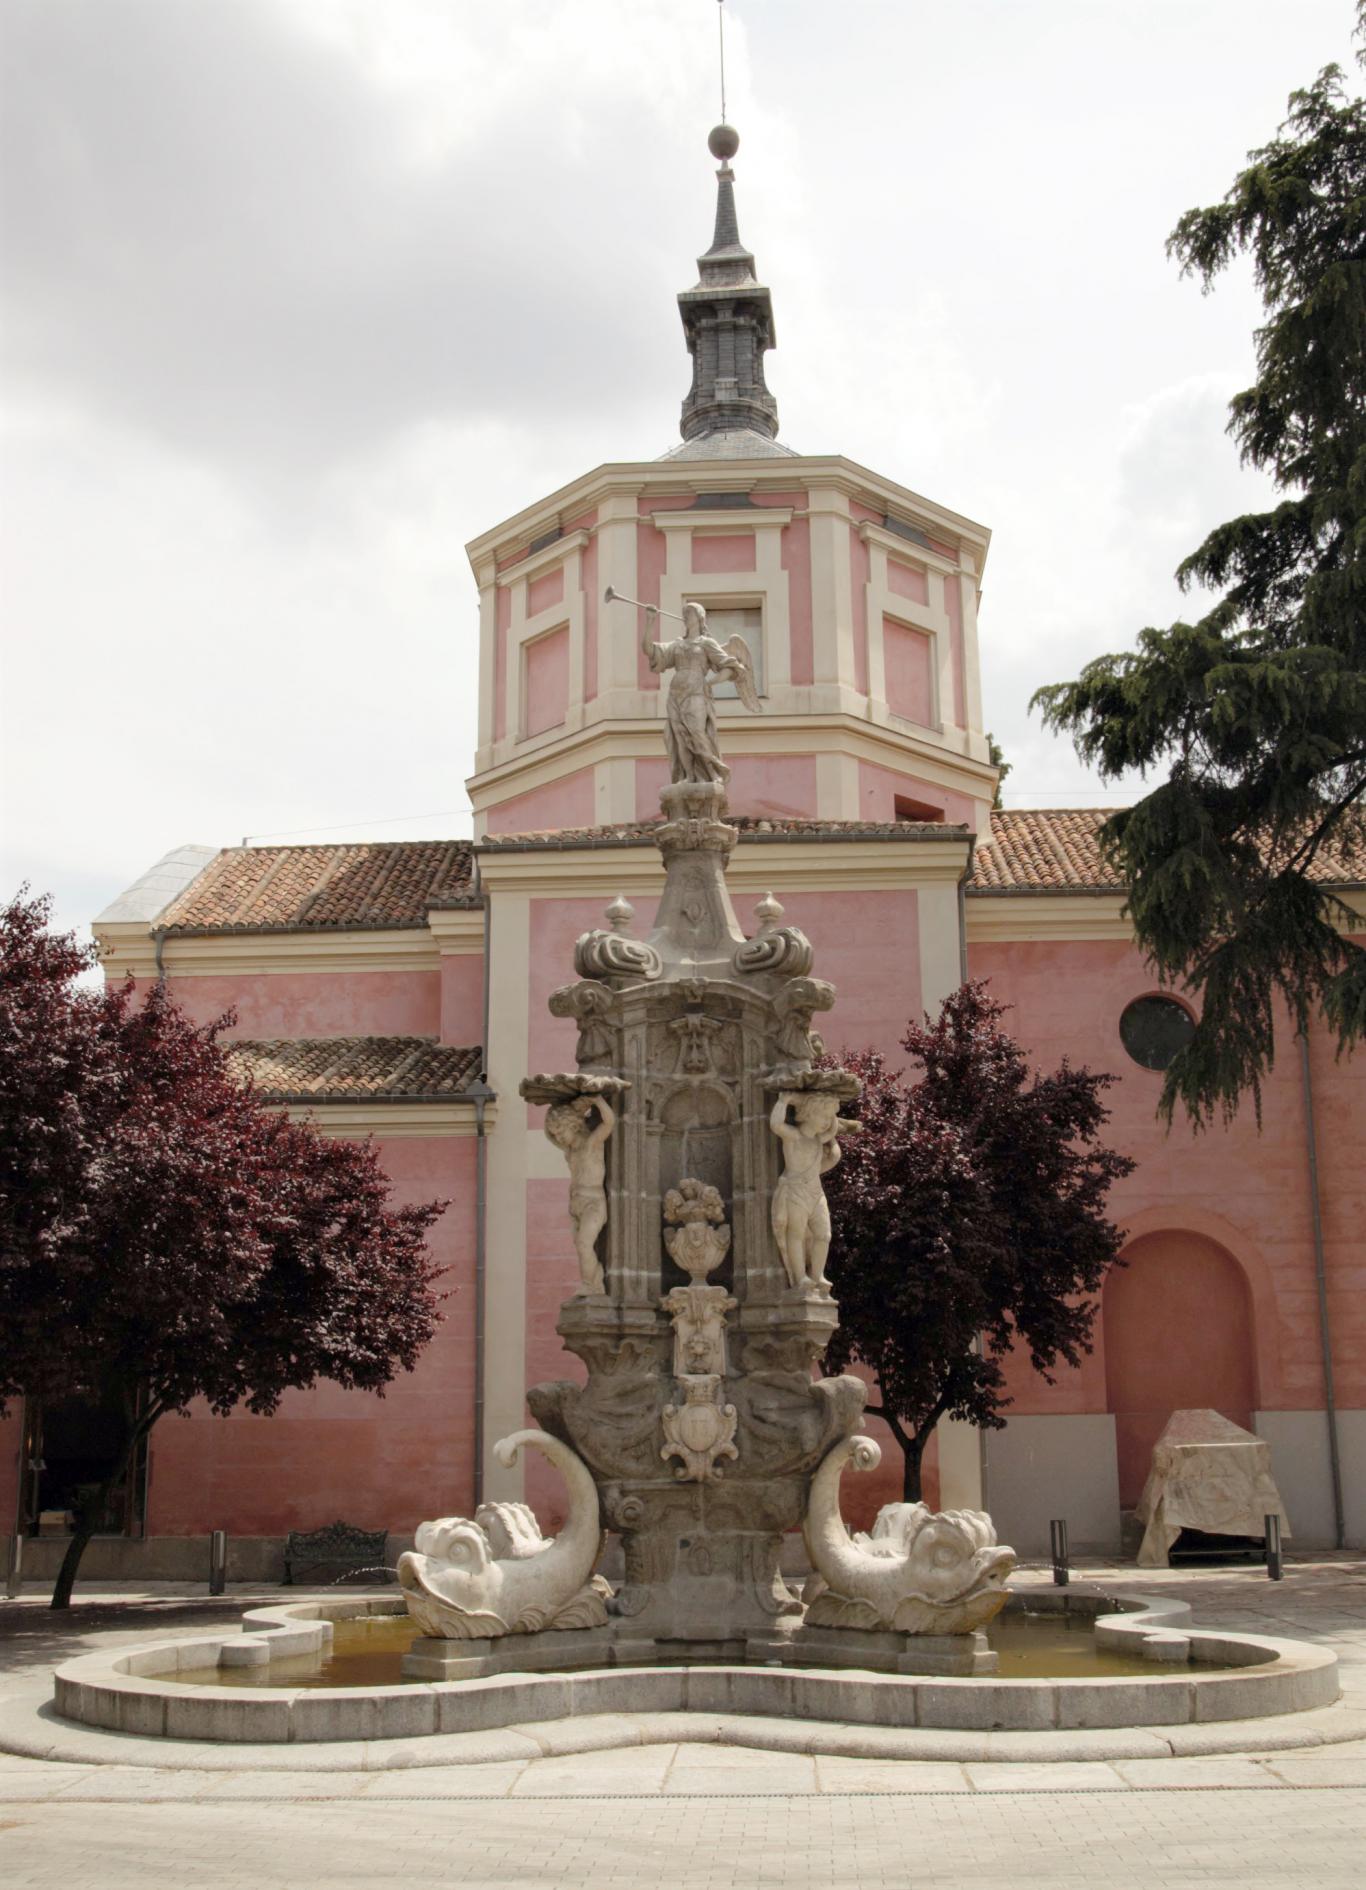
x=132, y=1691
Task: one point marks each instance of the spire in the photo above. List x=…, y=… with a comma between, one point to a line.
x=728, y=323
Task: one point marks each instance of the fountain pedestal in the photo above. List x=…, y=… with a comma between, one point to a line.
x=696, y=1125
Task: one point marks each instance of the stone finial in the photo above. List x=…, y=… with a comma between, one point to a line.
x=768, y=913
x=620, y=914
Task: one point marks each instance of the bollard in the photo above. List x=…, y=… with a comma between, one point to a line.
x=218, y=1561
x=1057, y=1541
x=14, y=1577
x=1274, y=1571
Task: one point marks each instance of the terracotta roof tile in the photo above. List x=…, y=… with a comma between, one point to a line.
x=1057, y=850
x=342, y=1069
x=1043, y=850
x=383, y=884
x=301, y=889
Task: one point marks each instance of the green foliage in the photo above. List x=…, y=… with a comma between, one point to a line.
x=997, y=756
x=1259, y=707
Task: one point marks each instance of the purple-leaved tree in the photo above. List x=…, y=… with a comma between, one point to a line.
x=969, y=1217
x=165, y=1235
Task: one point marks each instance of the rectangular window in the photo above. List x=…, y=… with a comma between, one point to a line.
x=545, y=682
x=747, y=622
x=907, y=667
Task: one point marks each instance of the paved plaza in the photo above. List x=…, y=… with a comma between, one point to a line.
x=694, y=1812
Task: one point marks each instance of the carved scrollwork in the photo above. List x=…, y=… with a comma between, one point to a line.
x=589, y=1006
x=775, y=948
x=794, y=1004
x=609, y=955
x=787, y=952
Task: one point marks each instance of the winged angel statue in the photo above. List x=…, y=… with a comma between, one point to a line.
x=695, y=659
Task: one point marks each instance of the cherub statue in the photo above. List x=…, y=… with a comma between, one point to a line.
x=695, y=658
x=580, y=1140
x=801, y=1214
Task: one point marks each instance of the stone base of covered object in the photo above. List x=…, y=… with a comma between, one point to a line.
x=1207, y=1474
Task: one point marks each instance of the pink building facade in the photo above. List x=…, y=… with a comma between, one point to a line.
x=400, y=991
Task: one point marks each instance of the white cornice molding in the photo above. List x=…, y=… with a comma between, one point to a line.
x=1041, y=917
x=392, y=1121
x=894, y=746
x=757, y=517
x=549, y=555
x=685, y=476
x=776, y=862
x=457, y=928
x=235, y=954
x=905, y=551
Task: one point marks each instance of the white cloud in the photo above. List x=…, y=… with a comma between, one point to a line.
x=303, y=294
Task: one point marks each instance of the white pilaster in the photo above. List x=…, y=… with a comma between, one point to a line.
x=509, y=975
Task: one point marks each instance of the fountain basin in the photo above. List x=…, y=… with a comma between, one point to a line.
x=1223, y=1677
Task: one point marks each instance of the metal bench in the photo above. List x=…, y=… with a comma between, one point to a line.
x=339, y=1546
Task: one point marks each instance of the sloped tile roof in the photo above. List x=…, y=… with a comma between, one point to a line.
x=303, y=889
x=1043, y=850
x=1057, y=850
x=342, y=1069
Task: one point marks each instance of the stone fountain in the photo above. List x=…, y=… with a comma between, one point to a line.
x=696, y=1129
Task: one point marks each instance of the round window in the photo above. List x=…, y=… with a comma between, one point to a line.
x=1153, y=1029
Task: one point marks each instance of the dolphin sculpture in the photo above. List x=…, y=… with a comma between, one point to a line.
x=497, y=1574
x=917, y=1572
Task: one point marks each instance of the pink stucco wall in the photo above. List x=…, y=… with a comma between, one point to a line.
x=783, y=787
x=547, y=681
x=879, y=789
x=858, y=569
x=330, y=1452
x=796, y=561
x=904, y=580
x=545, y=590
x=1243, y=1191
x=462, y=997
x=953, y=605
x=566, y=803
x=590, y=620
x=652, y=556
x=318, y=1003
x=501, y=632
x=723, y=551
x=906, y=657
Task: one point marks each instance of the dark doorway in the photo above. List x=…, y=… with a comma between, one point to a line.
x=72, y=1444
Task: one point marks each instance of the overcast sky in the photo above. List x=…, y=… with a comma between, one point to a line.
x=303, y=294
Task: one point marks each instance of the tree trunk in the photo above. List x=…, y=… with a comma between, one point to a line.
x=86, y=1518
x=94, y=1506
x=913, y=1450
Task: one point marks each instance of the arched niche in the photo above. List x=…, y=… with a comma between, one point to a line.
x=1179, y=1335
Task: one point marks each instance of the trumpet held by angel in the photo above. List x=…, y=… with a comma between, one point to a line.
x=698, y=662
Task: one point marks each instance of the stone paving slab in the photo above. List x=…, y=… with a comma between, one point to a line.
x=1310, y=1840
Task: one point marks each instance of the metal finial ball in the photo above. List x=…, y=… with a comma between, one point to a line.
x=723, y=141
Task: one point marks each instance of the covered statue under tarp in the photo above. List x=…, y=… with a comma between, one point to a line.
x=1208, y=1474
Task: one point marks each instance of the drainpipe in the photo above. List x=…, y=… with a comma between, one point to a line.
x=963, y=879
x=1321, y=1284
x=159, y=942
